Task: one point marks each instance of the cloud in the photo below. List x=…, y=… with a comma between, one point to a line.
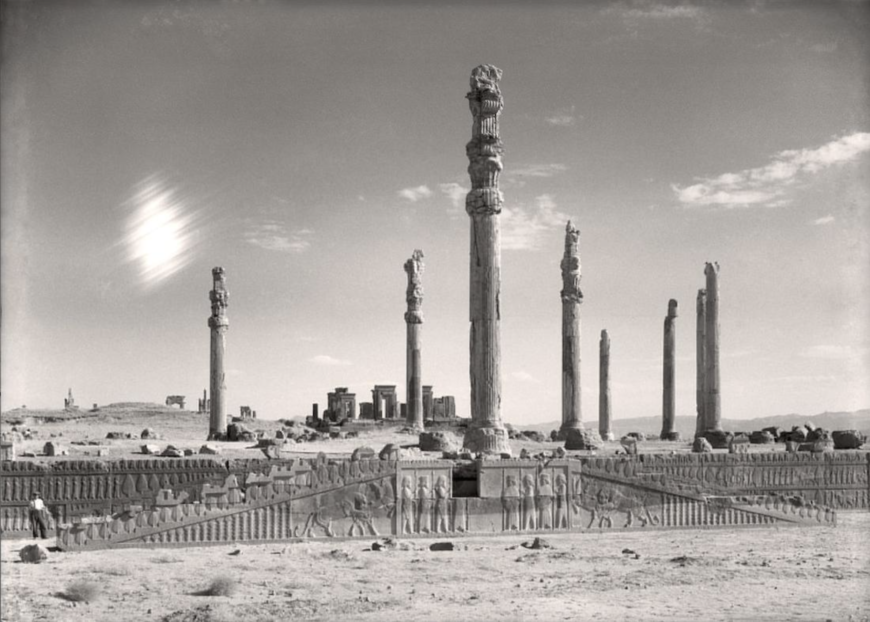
x=524, y=376
x=824, y=220
x=328, y=361
x=563, y=118
x=536, y=170
x=274, y=236
x=663, y=12
x=833, y=352
x=456, y=193
x=766, y=186
x=524, y=228
x=824, y=48
x=415, y=194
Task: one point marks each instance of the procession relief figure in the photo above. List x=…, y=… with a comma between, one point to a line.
x=545, y=502
x=561, y=502
x=414, y=321
x=218, y=323
x=424, y=505
x=407, y=505
x=510, y=500
x=486, y=433
x=442, y=495
x=529, y=510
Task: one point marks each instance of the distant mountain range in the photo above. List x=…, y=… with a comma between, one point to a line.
x=857, y=420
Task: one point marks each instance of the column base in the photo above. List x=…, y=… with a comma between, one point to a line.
x=581, y=438
x=607, y=436
x=670, y=436
x=563, y=431
x=487, y=440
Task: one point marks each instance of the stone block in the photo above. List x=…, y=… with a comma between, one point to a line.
x=702, y=446
x=209, y=449
x=33, y=554
x=762, y=437
x=362, y=453
x=718, y=439
x=438, y=441
x=581, y=438
x=848, y=439
x=151, y=450
x=629, y=444
x=149, y=433
x=54, y=449
x=390, y=452
x=172, y=452
x=818, y=434
x=639, y=436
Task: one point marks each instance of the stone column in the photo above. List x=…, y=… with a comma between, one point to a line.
x=604, y=428
x=572, y=417
x=414, y=321
x=668, y=399
x=712, y=403
x=218, y=323
x=486, y=433
x=700, y=362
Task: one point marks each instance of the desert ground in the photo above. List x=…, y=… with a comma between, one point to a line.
x=747, y=574
x=786, y=573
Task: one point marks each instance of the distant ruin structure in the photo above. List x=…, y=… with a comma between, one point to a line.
x=701, y=362
x=385, y=404
x=218, y=323
x=669, y=432
x=712, y=403
x=69, y=402
x=414, y=321
x=340, y=404
x=486, y=433
x=203, y=404
x=245, y=412
x=572, y=297
x=175, y=400
x=604, y=408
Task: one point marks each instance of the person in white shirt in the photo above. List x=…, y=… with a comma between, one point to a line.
x=37, y=516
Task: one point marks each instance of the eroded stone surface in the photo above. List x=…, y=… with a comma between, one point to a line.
x=581, y=438
x=483, y=205
x=33, y=554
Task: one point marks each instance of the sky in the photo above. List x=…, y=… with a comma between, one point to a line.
x=309, y=149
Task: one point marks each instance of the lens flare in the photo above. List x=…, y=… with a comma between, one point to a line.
x=158, y=232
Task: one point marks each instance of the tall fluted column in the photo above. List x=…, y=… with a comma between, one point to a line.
x=604, y=410
x=701, y=362
x=483, y=203
x=218, y=323
x=414, y=321
x=572, y=416
x=668, y=400
x=713, y=404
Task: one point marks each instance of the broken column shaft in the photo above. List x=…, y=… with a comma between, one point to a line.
x=572, y=297
x=218, y=323
x=486, y=433
x=604, y=412
x=700, y=362
x=414, y=322
x=712, y=403
x=668, y=396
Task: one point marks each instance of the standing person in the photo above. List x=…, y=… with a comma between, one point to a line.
x=37, y=516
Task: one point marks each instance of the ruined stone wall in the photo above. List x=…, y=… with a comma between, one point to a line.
x=75, y=488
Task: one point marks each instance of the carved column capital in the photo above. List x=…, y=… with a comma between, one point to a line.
x=485, y=149
x=414, y=295
x=571, y=266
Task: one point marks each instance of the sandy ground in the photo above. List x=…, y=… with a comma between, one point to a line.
x=748, y=574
